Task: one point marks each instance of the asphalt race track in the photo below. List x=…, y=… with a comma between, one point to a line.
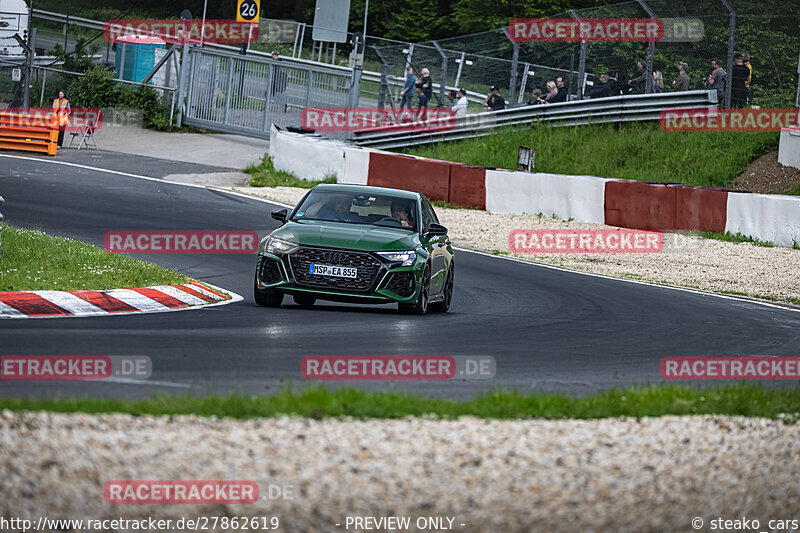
x=549, y=330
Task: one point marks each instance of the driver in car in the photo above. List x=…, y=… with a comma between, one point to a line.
x=338, y=209
x=400, y=212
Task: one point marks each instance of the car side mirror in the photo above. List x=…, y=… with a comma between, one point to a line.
x=280, y=214
x=435, y=229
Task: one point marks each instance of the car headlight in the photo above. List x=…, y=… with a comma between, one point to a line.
x=406, y=257
x=276, y=245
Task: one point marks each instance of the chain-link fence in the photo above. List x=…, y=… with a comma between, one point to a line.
x=766, y=31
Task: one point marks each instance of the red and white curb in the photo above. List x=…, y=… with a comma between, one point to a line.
x=157, y=299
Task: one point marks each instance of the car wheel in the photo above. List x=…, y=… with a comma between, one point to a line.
x=304, y=300
x=421, y=307
x=266, y=297
x=444, y=305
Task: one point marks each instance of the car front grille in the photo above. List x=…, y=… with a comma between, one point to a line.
x=269, y=272
x=401, y=283
x=367, y=265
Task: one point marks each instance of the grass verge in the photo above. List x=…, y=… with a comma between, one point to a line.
x=741, y=399
x=31, y=260
x=627, y=151
x=735, y=237
x=265, y=175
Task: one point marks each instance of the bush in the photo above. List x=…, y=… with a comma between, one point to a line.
x=95, y=89
x=146, y=99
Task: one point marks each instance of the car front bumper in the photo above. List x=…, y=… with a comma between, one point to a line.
x=390, y=283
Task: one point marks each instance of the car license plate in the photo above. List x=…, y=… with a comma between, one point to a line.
x=333, y=270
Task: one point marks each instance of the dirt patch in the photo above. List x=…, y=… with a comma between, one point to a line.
x=765, y=175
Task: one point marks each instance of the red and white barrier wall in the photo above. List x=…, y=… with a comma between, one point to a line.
x=622, y=203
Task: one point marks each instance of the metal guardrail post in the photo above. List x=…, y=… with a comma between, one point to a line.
x=731, y=39
x=582, y=63
x=384, y=86
x=443, y=83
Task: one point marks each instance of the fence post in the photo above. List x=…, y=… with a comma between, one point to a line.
x=461, y=65
x=797, y=97
x=443, y=82
x=651, y=49
x=384, y=88
x=731, y=38
x=408, y=60
x=512, y=82
x=524, y=83
x=582, y=62
x=181, y=76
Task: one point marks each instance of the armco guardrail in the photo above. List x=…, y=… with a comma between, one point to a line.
x=30, y=133
x=600, y=110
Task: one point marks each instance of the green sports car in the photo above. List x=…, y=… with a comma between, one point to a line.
x=357, y=244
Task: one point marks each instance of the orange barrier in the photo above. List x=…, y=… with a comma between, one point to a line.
x=30, y=133
x=428, y=176
x=467, y=186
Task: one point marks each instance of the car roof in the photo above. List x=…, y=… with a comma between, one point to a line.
x=367, y=189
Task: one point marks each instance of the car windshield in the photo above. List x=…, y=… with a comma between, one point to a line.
x=358, y=208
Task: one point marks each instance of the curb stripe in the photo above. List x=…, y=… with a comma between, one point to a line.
x=206, y=290
x=104, y=301
x=136, y=300
x=178, y=294
x=198, y=294
x=8, y=311
x=31, y=304
x=158, y=296
x=71, y=303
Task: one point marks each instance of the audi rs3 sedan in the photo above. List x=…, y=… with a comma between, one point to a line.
x=357, y=244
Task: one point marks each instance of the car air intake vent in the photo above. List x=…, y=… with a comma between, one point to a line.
x=367, y=268
x=401, y=283
x=270, y=272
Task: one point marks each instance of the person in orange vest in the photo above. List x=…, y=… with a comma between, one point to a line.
x=62, y=110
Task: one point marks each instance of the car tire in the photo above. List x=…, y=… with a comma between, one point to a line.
x=444, y=305
x=266, y=297
x=304, y=300
x=421, y=307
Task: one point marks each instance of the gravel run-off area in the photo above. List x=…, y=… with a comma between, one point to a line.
x=648, y=474
x=686, y=260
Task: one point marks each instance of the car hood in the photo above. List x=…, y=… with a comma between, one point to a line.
x=348, y=236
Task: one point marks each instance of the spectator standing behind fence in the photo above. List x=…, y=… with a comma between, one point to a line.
x=425, y=85
x=279, y=82
x=493, y=100
x=536, y=98
x=716, y=80
x=62, y=110
x=407, y=94
x=460, y=107
x=739, y=82
x=562, y=91
x=681, y=83
x=602, y=89
x=639, y=82
x=658, y=81
x=621, y=85
x=746, y=62
x=552, y=92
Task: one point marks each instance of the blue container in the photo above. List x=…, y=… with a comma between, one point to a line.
x=136, y=56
